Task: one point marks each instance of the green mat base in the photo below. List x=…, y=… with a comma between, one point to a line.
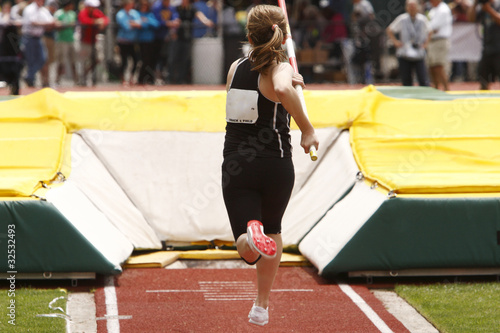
x=41, y=240
x=414, y=233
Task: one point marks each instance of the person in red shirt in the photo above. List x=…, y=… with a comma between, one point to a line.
x=92, y=21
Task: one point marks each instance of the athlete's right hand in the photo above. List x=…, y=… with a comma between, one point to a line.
x=308, y=140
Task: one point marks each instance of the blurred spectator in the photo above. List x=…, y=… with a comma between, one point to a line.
x=334, y=33
x=92, y=21
x=233, y=36
x=129, y=23
x=363, y=9
x=297, y=19
x=414, y=32
x=180, y=62
x=488, y=13
x=208, y=9
x=49, y=40
x=65, y=49
x=367, y=39
x=441, y=21
x=459, y=8
x=362, y=14
x=16, y=12
x=35, y=19
x=10, y=55
x=310, y=30
x=168, y=17
x=312, y=27
x=5, y=14
x=336, y=28
x=146, y=38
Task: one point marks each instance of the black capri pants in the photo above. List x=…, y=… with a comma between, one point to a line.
x=256, y=189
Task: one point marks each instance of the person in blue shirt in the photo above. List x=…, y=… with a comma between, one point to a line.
x=129, y=23
x=146, y=37
x=199, y=28
x=168, y=17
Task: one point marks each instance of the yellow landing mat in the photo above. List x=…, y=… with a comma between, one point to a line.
x=152, y=260
x=30, y=152
x=291, y=259
x=161, y=259
x=409, y=146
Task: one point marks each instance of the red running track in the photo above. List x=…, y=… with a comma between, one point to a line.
x=218, y=300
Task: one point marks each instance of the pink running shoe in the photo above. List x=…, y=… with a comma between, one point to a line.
x=258, y=241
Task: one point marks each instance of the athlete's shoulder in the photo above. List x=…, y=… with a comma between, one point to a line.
x=240, y=63
x=230, y=73
x=281, y=71
x=282, y=67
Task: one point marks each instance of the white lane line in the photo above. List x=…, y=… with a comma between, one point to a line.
x=292, y=290
x=215, y=290
x=225, y=282
x=113, y=321
x=367, y=310
x=107, y=317
x=226, y=290
x=230, y=299
x=175, y=291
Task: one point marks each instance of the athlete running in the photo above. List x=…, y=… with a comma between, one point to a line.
x=257, y=172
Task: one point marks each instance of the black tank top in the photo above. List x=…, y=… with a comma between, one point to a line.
x=256, y=126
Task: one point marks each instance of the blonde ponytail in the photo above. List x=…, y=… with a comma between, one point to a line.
x=266, y=28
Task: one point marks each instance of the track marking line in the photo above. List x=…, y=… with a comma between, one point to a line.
x=107, y=317
x=226, y=290
x=367, y=310
x=111, y=316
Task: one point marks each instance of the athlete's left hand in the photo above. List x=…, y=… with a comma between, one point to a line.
x=297, y=79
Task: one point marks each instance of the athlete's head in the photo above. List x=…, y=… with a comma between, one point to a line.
x=266, y=30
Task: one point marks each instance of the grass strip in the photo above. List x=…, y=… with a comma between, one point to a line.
x=456, y=307
x=21, y=307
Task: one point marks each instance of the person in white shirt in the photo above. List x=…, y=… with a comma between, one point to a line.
x=16, y=12
x=441, y=21
x=35, y=19
x=5, y=13
x=414, y=32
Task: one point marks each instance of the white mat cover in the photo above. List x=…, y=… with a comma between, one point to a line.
x=342, y=222
x=174, y=178
x=92, y=178
x=334, y=173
